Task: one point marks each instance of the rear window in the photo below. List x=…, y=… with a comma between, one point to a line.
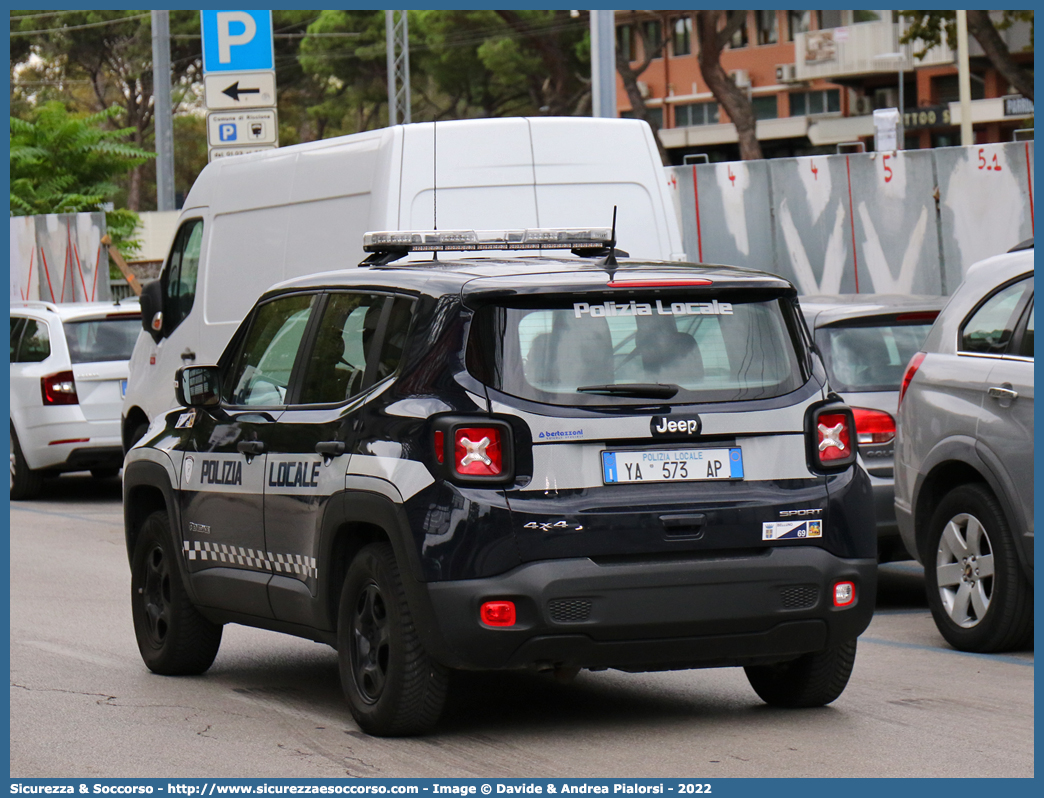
x=100, y=340
x=711, y=350
x=870, y=357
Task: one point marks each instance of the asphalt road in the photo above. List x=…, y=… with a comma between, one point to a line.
x=84, y=705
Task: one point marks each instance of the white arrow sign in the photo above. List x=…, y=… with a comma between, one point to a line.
x=234, y=90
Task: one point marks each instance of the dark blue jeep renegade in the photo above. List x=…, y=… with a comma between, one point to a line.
x=509, y=462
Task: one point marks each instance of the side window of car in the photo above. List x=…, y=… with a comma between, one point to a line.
x=35, y=342
x=16, y=331
x=988, y=330
x=343, y=362
x=261, y=370
x=179, y=279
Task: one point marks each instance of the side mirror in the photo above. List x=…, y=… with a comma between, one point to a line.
x=152, y=309
x=197, y=386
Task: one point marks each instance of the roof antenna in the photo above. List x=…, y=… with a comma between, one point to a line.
x=435, y=177
x=609, y=263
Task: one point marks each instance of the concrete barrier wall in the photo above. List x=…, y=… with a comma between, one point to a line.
x=908, y=222
x=59, y=258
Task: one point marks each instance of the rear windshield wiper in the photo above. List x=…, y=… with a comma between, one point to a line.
x=656, y=390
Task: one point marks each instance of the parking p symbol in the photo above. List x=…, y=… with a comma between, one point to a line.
x=227, y=39
x=227, y=132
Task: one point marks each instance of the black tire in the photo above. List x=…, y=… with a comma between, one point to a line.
x=393, y=686
x=104, y=473
x=173, y=638
x=811, y=680
x=977, y=591
x=25, y=482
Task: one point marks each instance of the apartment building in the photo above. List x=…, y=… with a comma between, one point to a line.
x=814, y=79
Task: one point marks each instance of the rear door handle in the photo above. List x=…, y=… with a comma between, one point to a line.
x=329, y=449
x=250, y=448
x=684, y=524
x=998, y=392
x=188, y=354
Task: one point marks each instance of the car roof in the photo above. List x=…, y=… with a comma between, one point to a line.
x=71, y=311
x=525, y=274
x=821, y=310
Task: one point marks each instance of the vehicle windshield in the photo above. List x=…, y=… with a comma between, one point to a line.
x=101, y=340
x=636, y=350
x=869, y=357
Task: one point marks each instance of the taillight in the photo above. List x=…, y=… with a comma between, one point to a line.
x=474, y=449
x=908, y=375
x=59, y=389
x=478, y=451
x=831, y=437
x=873, y=426
x=498, y=613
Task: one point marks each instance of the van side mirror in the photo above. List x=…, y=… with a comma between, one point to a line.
x=197, y=386
x=152, y=309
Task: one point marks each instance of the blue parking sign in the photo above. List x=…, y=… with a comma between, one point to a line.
x=227, y=132
x=237, y=41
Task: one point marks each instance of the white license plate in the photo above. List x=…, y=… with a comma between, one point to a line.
x=672, y=465
x=123, y=388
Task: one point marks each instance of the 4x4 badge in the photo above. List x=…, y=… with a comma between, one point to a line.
x=686, y=426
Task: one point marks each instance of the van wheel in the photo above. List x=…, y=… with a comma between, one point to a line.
x=393, y=686
x=25, y=482
x=977, y=592
x=173, y=638
x=811, y=680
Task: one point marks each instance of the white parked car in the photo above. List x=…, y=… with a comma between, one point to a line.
x=68, y=377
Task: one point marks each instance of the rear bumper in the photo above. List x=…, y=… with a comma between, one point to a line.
x=702, y=612
x=73, y=445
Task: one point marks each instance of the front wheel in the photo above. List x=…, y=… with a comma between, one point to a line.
x=811, y=680
x=173, y=638
x=393, y=686
x=979, y=597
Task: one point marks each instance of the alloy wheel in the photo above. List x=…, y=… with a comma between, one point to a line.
x=964, y=570
x=370, y=642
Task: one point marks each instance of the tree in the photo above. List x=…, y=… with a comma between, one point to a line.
x=61, y=163
x=930, y=26
x=733, y=99
x=650, y=49
x=112, y=52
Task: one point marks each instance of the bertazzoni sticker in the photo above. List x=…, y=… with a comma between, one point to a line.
x=791, y=530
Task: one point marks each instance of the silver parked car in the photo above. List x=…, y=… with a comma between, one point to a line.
x=964, y=458
x=866, y=340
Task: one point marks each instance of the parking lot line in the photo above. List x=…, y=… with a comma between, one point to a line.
x=995, y=657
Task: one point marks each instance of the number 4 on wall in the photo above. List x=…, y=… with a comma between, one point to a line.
x=992, y=165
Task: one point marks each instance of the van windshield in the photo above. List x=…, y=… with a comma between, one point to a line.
x=595, y=353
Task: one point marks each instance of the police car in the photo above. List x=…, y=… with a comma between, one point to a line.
x=509, y=460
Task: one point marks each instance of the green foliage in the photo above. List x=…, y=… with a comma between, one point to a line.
x=61, y=163
x=931, y=26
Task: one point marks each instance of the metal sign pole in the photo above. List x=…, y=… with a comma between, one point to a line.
x=164, y=119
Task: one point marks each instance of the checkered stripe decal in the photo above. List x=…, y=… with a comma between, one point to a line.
x=263, y=560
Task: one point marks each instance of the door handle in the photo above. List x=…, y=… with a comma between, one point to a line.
x=188, y=354
x=250, y=448
x=998, y=392
x=330, y=448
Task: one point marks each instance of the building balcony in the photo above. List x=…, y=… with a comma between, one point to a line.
x=857, y=50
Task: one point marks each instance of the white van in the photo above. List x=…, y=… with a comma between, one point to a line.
x=255, y=220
